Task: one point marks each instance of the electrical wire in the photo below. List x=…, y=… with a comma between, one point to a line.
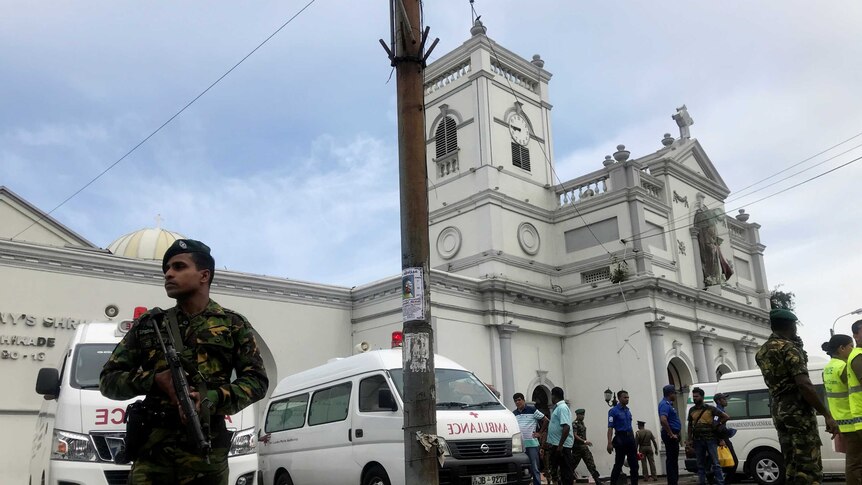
x=764, y=198
x=736, y=197
x=166, y=123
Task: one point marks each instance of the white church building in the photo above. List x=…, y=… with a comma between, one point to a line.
x=627, y=277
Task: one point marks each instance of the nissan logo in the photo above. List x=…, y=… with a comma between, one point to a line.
x=485, y=448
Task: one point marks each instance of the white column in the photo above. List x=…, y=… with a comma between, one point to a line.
x=741, y=356
x=656, y=333
x=709, y=354
x=750, y=350
x=699, y=357
x=506, y=364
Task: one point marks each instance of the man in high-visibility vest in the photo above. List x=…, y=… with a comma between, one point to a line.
x=835, y=378
x=854, y=439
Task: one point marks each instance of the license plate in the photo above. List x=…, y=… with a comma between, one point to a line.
x=489, y=479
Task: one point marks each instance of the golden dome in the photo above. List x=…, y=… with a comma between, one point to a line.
x=150, y=243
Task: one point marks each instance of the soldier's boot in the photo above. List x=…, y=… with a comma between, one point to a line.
x=597, y=479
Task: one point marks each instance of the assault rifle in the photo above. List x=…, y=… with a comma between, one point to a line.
x=181, y=384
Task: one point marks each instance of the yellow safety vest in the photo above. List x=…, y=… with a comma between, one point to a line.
x=837, y=395
x=855, y=389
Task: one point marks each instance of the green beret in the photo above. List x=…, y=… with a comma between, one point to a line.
x=580, y=411
x=782, y=314
x=181, y=246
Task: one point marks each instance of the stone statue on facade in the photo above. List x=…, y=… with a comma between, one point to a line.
x=716, y=269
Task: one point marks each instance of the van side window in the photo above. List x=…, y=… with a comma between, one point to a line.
x=758, y=404
x=736, y=406
x=286, y=414
x=369, y=389
x=329, y=405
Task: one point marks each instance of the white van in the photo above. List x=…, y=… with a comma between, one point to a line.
x=79, y=431
x=756, y=441
x=342, y=423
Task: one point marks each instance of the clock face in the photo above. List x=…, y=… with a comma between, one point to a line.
x=519, y=130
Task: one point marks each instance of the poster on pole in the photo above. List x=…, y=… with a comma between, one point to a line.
x=412, y=294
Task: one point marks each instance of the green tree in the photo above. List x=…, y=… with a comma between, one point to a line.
x=782, y=299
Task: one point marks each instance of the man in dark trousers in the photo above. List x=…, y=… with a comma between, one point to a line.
x=561, y=438
x=702, y=420
x=621, y=438
x=670, y=430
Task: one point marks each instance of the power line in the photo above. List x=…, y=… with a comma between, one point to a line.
x=685, y=217
x=106, y=170
x=764, y=198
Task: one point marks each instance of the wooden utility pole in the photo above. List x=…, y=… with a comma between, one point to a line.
x=420, y=396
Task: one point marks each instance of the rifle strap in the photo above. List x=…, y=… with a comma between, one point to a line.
x=174, y=329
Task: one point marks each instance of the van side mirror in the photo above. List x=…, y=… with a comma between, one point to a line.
x=385, y=400
x=48, y=382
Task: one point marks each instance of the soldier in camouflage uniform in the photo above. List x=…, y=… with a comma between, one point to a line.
x=217, y=342
x=785, y=369
x=581, y=450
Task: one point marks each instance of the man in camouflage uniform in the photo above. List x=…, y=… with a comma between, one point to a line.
x=785, y=369
x=581, y=450
x=217, y=342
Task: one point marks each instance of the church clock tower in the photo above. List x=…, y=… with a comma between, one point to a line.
x=490, y=161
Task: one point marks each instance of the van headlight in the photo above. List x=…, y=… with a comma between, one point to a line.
x=441, y=443
x=73, y=447
x=517, y=443
x=243, y=443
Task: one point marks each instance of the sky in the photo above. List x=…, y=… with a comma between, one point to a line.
x=288, y=166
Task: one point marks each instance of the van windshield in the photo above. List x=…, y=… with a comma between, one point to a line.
x=87, y=364
x=456, y=389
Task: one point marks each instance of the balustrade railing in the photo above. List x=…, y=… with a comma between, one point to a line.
x=652, y=185
x=514, y=77
x=578, y=190
x=448, y=77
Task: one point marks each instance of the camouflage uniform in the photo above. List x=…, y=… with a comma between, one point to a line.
x=217, y=342
x=581, y=451
x=781, y=359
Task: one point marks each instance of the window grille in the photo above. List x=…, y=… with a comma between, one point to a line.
x=520, y=156
x=596, y=275
x=446, y=137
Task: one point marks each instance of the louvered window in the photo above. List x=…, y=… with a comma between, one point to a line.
x=446, y=137
x=520, y=156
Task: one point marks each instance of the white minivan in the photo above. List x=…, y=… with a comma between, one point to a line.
x=756, y=441
x=79, y=431
x=342, y=423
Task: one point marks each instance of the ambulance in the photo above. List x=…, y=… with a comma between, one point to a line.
x=79, y=431
x=342, y=422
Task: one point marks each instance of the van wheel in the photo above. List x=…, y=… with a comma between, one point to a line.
x=767, y=467
x=376, y=475
x=283, y=479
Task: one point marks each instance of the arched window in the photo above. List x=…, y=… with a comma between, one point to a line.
x=446, y=137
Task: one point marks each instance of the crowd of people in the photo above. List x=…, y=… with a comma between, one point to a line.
x=558, y=444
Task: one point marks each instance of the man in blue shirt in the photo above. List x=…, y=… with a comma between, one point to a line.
x=529, y=419
x=670, y=429
x=623, y=442
x=560, y=438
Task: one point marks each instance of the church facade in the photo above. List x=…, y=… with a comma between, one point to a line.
x=627, y=277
